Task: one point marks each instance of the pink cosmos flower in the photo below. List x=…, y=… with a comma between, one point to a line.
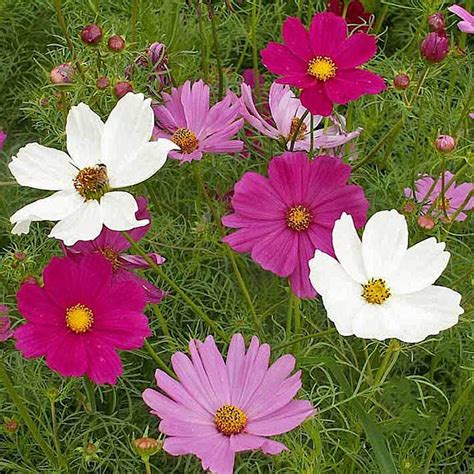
x=112, y=245
x=324, y=62
x=356, y=16
x=80, y=317
x=453, y=197
x=186, y=119
x=5, y=331
x=467, y=23
x=216, y=409
x=286, y=111
x=3, y=137
x=284, y=218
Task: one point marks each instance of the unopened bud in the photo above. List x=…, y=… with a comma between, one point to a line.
x=10, y=425
x=426, y=222
x=116, y=43
x=436, y=22
x=91, y=34
x=445, y=143
x=102, y=83
x=122, y=88
x=62, y=74
x=434, y=48
x=401, y=81
x=146, y=447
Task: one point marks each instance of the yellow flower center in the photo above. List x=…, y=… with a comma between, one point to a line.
x=294, y=127
x=112, y=256
x=444, y=204
x=79, y=318
x=186, y=140
x=375, y=291
x=322, y=68
x=298, y=218
x=92, y=182
x=230, y=420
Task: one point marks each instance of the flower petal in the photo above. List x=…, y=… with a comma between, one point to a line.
x=327, y=32
x=42, y=167
x=355, y=50
x=249, y=442
x=104, y=363
x=280, y=60
x=316, y=100
x=118, y=210
x=84, y=130
x=68, y=356
x=147, y=161
x=296, y=39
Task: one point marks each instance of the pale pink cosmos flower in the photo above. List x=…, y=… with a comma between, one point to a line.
x=467, y=23
x=218, y=408
x=286, y=111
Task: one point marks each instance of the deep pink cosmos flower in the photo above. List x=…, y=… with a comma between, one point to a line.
x=284, y=218
x=186, y=119
x=324, y=62
x=3, y=138
x=453, y=197
x=356, y=16
x=435, y=47
x=217, y=409
x=80, y=317
x=5, y=331
x=286, y=111
x=113, y=246
x=467, y=23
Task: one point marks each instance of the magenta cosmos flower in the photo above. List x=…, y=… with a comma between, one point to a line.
x=186, y=119
x=427, y=192
x=467, y=23
x=216, y=409
x=284, y=218
x=113, y=246
x=80, y=317
x=3, y=138
x=286, y=111
x=324, y=62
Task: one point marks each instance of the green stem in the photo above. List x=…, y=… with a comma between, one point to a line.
x=199, y=312
x=62, y=24
x=460, y=209
x=204, y=49
x=157, y=358
x=147, y=466
x=389, y=360
x=161, y=320
x=297, y=318
x=133, y=19
x=55, y=434
x=215, y=40
x=8, y=183
x=255, y=49
x=297, y=130
x=304, y=338
x=23, y=411
x=89, y=388
x=289, y=315
x=467, y=105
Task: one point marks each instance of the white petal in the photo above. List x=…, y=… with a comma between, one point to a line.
x=83, y=224
x=84, y=130
x=118, y=211
x=128, y=128
x=384, y=243
x=41, y=167
x=53, y=208
x=420, y=267
x=341, y=294
x=410, y=318
x=348, y=248
x=150, y=158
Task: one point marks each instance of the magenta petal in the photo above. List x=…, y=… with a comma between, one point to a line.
x=34, y=340
x=152, y=294
x=350, y=84
x=327, y=32
x=69, y=357
x=296, y=39
x=316, y=100
x=299, y=280
x=36, y=306
x=280, y=60
x=355, y=51
x=104, y=363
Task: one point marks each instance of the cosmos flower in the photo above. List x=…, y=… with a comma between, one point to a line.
x=283, y=219
x=112, y=245
x=380, y=288
x=286, y=111
x=356, y=16
x=5, y=331
x=218, y=408
x=429, y=192
x=80, y=317
x=186, y=119
x=102, y=157
x=3, y=138
x=324, y=62
x=467, y=23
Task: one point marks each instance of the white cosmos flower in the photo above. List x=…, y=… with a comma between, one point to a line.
x=102, y=157
x=380, y=288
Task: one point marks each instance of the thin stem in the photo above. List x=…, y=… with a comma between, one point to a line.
x=133, y=19
x=297, y=130
x=460, y=209
x=23, y=411
x=289, y=315
x=297, y=318
x=62, y=24
x=55, y=433
x=137, y=248
x=204, y=50
x=215, y=40
x=255, y=49
x=304, y=338
x=311, y=136
x=8, y=183
x=467, y=105
x=161, y=320
x=89, y=388
x=147, y=465
x=389, y=360
x=157, y=358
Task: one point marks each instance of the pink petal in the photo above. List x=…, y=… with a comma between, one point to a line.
x=248, y=442
x=350, y=84
x=153, y=295
x=34, y=340
x=126, y=296
x=280, y=60
x=185, y=427
x=138, y=262
x=299, y=279
x=104, y=363
x=316, y=100
x=36, y=306
x=69, y=355
x=296, y=39
x=355, y=51
x=235, y=364
x=327, y=32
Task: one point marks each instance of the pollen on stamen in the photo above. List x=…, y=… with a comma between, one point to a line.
x=375, y=291
x=230, y=420
x=294, y=127
x=92, y=182
x=79, y=318
x=112, y=256
x=298, y=218
x=186, y=140
x=322, y=68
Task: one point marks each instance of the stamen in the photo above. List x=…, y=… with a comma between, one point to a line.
x=79, y=318
x=322, y=68
x=375, y=291
x=298, y=218
x=112, y=256
x=294, y=126
x=230, y=420
x=444, y=204
x=92, y=182
x=186, y=140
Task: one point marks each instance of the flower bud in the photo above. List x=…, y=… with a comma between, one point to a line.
x=44, y=102
x=445, y=143
x=122, y=88
x=116, y=43
x=426, y=222
x=436, y=22
x=52, y=393
x=62, y=74
x=409, y=207
x=146, y=447
x=91, y=34
x=401, y=81
x=158, y=55
x=3, y=137
x=10, y=425
x=20, y=256
x=434, y=47
x=102, y=83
